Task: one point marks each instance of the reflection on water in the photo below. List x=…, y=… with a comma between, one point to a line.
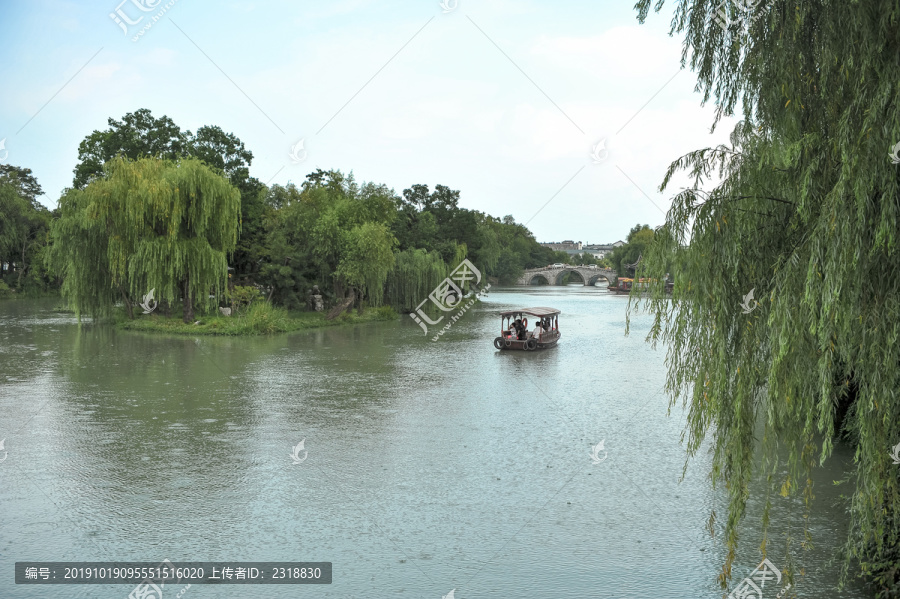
x=430, y=465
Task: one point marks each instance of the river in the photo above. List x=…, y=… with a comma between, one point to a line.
x=430, y=466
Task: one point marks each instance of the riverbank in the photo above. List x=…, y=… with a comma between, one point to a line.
x=7, y=292
x=257, y=320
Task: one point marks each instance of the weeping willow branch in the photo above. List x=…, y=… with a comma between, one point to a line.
x=147, y=224
x=815, y=141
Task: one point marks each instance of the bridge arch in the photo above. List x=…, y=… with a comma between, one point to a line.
x=536, y=278
x=596, y=278
x=565, y=271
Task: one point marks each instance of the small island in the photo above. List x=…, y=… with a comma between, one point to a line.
x=179, y=238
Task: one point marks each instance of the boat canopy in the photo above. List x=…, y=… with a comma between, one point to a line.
x=539, y=312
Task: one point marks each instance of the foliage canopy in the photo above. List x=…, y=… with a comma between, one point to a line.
x=147, y=224
x=806, y=216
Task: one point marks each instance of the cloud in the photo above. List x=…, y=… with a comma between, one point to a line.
x=448, y=108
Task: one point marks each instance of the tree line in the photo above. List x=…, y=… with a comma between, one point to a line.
x=153, y=206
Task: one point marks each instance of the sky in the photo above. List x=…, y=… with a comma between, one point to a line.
x=564, y=115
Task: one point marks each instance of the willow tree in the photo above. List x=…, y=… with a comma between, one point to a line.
x=803, y=211
x=366, y=260
x=415, y=274
x=146, y=224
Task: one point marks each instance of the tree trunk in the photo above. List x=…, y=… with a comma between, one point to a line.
x=127, y=304
x=339, y=309
x=188, y=304
x=22, y=270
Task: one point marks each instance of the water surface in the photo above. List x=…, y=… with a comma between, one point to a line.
x=431, y=466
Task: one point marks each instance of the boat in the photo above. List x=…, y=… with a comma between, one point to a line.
x=623, y=286
x=509, y=337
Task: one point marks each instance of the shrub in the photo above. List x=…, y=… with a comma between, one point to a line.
x=385, y=313
x=264, y=318
x=243, y=296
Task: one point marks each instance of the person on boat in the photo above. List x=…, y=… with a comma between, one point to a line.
x=520, y=329
x=537, y=330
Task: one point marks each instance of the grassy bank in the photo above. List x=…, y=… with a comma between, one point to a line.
x=257, y=320
x=7, y=292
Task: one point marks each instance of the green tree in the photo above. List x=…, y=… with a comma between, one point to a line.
x=509, y=267
x=319, y=234
x=366, y=260
x=137, y=135
x=221, y=151
x=287, y=267
x=415, y=274
x=146, y=224
x=23, y=226
x=140, y=134
x=624, y=259
x=23, y=181
x=14, y=224
x=806, y=216
x=587, y=258
x=486, y=253
x=226, y=154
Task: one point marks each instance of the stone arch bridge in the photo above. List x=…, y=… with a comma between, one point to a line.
x=553, y=276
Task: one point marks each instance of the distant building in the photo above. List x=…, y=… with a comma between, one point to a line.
x=601, y=250
x=597, y=250
x=567, y=244
x=573, y=252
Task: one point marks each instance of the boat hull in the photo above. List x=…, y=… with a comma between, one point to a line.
x=619, y=291
x=546, y=342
